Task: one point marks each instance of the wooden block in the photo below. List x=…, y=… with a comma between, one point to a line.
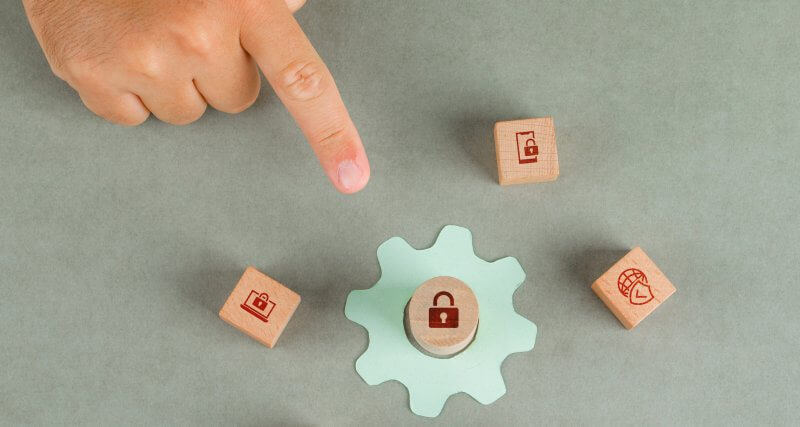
x=260, y=307
x=442, y=316
x=526, y=151
x=633, y=288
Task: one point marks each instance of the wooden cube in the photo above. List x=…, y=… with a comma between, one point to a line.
x=633, y=288
x=526, y=151
x=260, y=307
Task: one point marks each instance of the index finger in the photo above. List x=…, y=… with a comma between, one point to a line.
x=306, y=87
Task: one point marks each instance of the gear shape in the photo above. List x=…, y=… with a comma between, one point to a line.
x=431, y=381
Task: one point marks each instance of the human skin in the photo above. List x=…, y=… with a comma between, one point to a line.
x=129, y=58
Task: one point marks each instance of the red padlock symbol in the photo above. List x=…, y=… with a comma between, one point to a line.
x=443, y=317
x=259, y=305
x=530, y=149
x=527, y=150
x=261, y=301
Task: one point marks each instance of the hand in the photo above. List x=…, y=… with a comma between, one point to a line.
x=128, y=58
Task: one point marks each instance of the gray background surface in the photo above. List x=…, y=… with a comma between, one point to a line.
x=677, y=125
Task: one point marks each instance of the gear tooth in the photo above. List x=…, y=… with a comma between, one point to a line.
x=425, y=401
x=523, y=336
x=395, y=244
x=527, y=331
x=394, y=255
x=455, y=241
x=486, y=385
x=371, y=368
x=355, y=298
x=356, y=301
x=511, y=270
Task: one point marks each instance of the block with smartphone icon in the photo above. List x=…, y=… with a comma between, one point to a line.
x=260, y=307
x=526, y=151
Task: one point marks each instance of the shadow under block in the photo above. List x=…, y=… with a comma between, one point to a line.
x=442, y=316
x=526, y=151
x=260, y=307
x=633, y=287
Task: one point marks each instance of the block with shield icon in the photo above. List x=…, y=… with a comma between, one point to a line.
x=633, y=288
x=526, y=151
x=260, y=307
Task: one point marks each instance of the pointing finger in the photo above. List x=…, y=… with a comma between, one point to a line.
x=305, y=85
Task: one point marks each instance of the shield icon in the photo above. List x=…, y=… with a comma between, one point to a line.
x=640, y=293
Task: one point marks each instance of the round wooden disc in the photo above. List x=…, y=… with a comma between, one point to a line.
x=437, y=326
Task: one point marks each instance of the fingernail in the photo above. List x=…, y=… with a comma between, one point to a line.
x=349, y=175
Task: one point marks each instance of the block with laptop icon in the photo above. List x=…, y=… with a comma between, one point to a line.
x=526, y=151
x=260, y=307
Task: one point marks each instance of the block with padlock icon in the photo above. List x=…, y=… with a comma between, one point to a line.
x=441, y=316
x=260, y=306
x=526, y=151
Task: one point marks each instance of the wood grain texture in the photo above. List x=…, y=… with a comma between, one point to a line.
x=442, y=341
x=632, y=296
x=250, y=318
x=514, y=167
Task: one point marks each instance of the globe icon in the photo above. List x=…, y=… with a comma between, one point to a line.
x=628, y=278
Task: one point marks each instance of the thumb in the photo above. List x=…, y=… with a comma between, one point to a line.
x=306, y=87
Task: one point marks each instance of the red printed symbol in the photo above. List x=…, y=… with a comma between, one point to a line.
x=632, y=283
x=256, y=304
x=443, y=317
x=527, y=150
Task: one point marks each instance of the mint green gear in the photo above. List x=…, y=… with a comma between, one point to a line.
x=431, y=381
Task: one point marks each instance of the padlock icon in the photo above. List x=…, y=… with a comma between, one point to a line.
x=261, y=302
x=530, y=149
x=527, y=150
x=259, y=305
x=443, y=317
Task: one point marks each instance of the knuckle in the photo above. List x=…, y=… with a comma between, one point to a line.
x=127, y=119
x=59, y=71
x=144, y=59
x=303, y=80
x=114, y=112
x=182, y=117
x=195, y=39
x=80, y=73
x=118, y=116
x=196, y=28
x=243, y=102
x=238, y=108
